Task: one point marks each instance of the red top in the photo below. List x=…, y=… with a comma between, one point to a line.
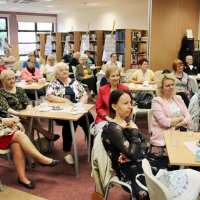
x=103, y=100
x=3, y=68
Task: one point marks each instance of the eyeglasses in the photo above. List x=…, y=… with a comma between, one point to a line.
x=32, y=62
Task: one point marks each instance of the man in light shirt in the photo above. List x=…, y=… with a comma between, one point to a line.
x=190, y=69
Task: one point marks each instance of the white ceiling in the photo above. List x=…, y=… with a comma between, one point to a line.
x=56, y=6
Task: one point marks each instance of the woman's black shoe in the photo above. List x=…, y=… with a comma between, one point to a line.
x=30, y=185
x=52, y=164
x=56, y=137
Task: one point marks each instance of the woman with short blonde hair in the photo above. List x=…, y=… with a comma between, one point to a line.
x=168, y=110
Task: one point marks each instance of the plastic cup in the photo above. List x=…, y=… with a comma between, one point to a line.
x=174, y=137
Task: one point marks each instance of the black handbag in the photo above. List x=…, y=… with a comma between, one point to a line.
x=4, y=114
x=144, y=100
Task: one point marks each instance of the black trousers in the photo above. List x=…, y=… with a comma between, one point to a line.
x=184, y=97
x=91, y=83
x=66, y=131
x=31, y=93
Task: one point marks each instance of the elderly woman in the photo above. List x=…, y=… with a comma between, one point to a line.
x=113, y=61
x=30, y=56
x=50, y=67
x=112, y=75
x=168, y=109
x=64, y=89
x=14, y=99
x=32, y=74
x=182, y=80
x=8, y=59
x=143, y=73
x=11, y=136
x=85, y=75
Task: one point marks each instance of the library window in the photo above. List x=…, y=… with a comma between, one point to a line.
x=3, y=31
x=27, y=36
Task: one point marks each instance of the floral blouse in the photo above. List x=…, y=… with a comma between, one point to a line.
x=57, y=88
x=18, y=101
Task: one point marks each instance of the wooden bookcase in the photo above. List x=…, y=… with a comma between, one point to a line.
x=56, y=44
x=74, y=40
x=131, y=45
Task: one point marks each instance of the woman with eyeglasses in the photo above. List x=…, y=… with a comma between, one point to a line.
x=32, y=74
x=182, y=81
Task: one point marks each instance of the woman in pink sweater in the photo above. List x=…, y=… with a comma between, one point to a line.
x=32, y=74
x=168, y=109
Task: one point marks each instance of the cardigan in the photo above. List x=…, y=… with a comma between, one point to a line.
x=103, y=100
x=27, y=76
x=162, y=117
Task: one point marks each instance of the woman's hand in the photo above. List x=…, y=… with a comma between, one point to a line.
x=131, y=124
x=10, y=122
x=123, y=159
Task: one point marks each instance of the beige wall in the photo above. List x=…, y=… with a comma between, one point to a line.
x=169, y=22
x=133, y=15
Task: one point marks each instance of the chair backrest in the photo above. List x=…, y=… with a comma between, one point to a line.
x=157, y=74
x=193, y=85
x=18, y=65
x=157, y=190
x=74, y=70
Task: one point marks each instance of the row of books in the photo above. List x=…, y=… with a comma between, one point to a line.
x=120, y=35
x=93, y=47
x=120, y=47
x=93, y=37
x=135, y=57
x=121, y=58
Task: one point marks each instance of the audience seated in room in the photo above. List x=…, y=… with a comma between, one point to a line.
x=8, y=59
x=189, y=68
x=85, y=75
x=30, y=56
x=14, y=99
x=65, y=90
x=112, y=75
x=126, y=148
x=168, y=109
x=143, y=73
x=12, y=136
x=182, y=80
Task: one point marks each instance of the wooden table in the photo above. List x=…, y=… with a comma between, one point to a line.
x=181, y=155
x=95, y=67
x=35, y=113
x=140, y=87
x=32, y=86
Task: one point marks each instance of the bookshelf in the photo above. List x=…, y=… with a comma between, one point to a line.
x=131, y=45
x=72, y=40
x=139, y=46
x=56, y=44
x=40, y=44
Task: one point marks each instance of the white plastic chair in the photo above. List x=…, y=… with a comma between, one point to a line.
x=193, y=85
x=157, y=74
x=157, y=190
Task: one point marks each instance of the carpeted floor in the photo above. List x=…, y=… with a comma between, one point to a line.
x=59, y=183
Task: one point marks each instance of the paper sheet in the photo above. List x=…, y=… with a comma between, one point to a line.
x=192, y=146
